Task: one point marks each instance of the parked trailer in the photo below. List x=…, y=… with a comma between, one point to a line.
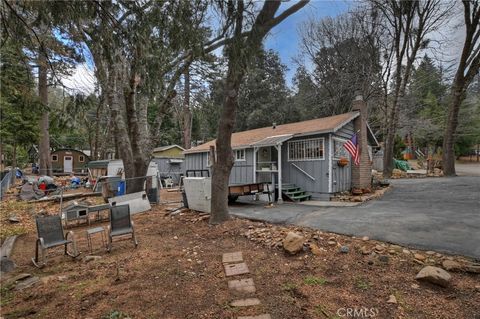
x=234, y=190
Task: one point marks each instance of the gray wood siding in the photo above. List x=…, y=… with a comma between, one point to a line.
x=342, y=176
x=318, y=169
x=242, y=171
x=196, y=161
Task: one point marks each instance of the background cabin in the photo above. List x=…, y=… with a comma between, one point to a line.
x=67, y=161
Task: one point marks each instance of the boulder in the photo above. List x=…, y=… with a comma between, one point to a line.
x=419, y=257
x=293, y=243
x=472, y=268
x=451, y=265
x=434, y=275
x=315, y=249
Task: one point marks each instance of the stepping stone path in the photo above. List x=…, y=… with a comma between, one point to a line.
x=234, y=266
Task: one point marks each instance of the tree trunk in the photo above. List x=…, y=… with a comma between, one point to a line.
x=448, y=156
x=44, y=143
x=221, y=168
x=240, y=52
x=94, y=151
x=187, y=113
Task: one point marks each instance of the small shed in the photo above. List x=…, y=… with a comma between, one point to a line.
x=170, y=161
x=169, y=151
x=67, y=160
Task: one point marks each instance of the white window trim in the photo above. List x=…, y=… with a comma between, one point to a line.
x=307, y=159
x=81, y=158
x=208, y=160
x=244, y=155
x=333, y=147
x=56, y=156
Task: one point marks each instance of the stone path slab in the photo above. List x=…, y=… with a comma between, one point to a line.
x=242, y=285
x=235, y=269
x=265, y=316
x=232, y=257
x=247, y=302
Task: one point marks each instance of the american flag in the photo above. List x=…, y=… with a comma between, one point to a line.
x=352, y=147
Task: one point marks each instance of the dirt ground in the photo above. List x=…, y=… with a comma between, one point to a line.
x=176, y=272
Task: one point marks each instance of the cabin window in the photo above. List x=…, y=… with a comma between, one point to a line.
x=306, y=150
x=81, y=158
x=338, y=150
x=240, y=155
x=54, y=158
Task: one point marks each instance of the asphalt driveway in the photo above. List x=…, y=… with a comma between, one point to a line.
x=441, y=214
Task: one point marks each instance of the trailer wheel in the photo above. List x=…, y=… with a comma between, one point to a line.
x=232, y=199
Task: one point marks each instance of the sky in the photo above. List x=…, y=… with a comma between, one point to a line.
x=285, y=40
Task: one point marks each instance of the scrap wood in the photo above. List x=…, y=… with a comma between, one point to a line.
x=56, y=198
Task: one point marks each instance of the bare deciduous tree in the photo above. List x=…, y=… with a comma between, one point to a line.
x=408, y=23
x=468, y=67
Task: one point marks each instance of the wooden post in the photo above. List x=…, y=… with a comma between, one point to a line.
x=255, y=164
x=279, y=169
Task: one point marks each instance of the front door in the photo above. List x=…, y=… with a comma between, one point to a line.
x=68, y=164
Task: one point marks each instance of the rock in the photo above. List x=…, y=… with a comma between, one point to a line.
x=451, y=265
x=430, y=253
x=365, y=250
x=472, y=268
x=331, y=242
x=383, y=258
x=344, y=249
x=87, y=259
x=406, y=251
x=392, y=251
x=7, y=265
x=365, y=238
x=26, y=282
x=419, y=257
x=477, y=287
x=434, y=275
x=392, y=299
x=14, y=219
x=396, y=248
x=293, y=243
x=175, y=237
x=62, y=278
x=415, y=286
x=315, y=249
x=379, y=248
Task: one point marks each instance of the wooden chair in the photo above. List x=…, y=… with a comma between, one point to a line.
x=120, y=224
x=50, y=234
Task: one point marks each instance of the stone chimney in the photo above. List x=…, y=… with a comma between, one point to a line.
x=361, y=174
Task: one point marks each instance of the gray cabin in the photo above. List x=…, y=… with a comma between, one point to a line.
x=303, y=160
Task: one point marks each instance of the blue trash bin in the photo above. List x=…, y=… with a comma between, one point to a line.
x=121, y=188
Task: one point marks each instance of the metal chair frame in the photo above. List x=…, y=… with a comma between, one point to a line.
x=40, y=242
x=130, y=225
